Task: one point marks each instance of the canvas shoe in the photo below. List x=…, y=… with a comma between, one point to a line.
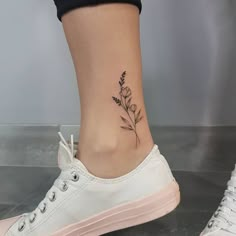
x=223, y=222
x=81, y=204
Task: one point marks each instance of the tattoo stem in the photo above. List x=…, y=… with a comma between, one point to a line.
x=134, y=128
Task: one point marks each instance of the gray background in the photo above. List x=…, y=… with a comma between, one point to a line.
x=188, y=55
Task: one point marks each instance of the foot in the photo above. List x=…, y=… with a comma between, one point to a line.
x=223, y=222
x=79, y=203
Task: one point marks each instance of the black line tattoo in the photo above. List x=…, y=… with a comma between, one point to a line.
x=125, y=101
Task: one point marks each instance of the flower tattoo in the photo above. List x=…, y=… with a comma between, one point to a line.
x=125, y=101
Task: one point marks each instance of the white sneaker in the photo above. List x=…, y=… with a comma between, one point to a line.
x=223, y=222
x=81, y=204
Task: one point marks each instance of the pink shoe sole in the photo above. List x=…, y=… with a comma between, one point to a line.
x=127, y=215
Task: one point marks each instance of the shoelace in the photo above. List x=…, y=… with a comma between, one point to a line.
x=227, y=206
x=61, y=184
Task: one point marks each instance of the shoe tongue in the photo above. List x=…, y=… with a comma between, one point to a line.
x=66, y=158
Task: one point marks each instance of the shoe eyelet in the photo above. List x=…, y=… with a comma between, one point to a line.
x=75, y=176
x=22, y=227
x=210, y=224
x=65, y=187
x=32, y=221
x=53, y=198
x=216, y=214
x=44, y=208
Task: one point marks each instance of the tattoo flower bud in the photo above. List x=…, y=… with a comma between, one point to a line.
x=133, y=107
x=126, y=92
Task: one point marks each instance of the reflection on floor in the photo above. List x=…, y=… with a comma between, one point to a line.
x=202, y=184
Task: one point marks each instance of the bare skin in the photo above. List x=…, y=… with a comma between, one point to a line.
x=104, y=42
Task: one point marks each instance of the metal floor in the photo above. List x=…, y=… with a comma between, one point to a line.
x=201, y=159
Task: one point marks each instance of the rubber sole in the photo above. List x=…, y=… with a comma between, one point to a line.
x=127, y=215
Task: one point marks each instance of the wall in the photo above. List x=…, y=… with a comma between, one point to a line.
x=188, y=59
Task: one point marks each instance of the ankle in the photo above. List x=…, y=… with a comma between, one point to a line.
x=111, y=159
x=100, y=147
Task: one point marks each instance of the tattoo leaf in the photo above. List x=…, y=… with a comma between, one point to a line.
x=140, y=118
x=127, y=128
x=137, y=116
x=128, y=102
x=117, y=100
x=122, y=79
x=125, y=121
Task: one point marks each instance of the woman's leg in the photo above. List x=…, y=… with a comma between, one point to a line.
x=114, y=136
x=105, y=46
